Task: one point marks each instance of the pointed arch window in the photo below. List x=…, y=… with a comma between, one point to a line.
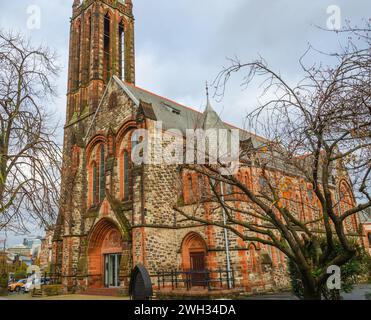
x=122, y=49
x=106, y=47
x=90, y=32
x=247, y=180
x=212, y=183
x=228, y=192
x=89, y=45
x=190, y=189
x=270, y=252
x=126, y=176
x=71, y=110
x=78, y=51
x=135, y=140
x=279, y=257
x=94, y=195
x=102, y=175
x=201, y=186
x=253, y=263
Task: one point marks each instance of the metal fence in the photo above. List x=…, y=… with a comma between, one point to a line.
x=208, y=279
x=52, y=278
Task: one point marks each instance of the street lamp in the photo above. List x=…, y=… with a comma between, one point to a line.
x=226, y=240
x=4, y=243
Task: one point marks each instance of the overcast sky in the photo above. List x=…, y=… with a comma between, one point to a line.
x=181, y=44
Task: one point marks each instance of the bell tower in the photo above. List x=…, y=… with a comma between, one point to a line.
x=101, y=45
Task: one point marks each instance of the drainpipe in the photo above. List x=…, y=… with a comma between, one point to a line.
x=226, y=240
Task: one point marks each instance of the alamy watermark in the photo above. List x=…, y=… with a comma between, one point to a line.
x=34, y=280
x=334, y=280
x=334, y=17
x=34, y=17
x=173, y=147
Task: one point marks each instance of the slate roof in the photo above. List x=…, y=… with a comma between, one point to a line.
x=177, y=116
x=365, y=216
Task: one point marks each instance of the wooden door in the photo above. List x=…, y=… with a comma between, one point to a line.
x=198, y=268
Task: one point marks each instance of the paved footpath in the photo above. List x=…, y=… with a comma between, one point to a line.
x=361, y=292
x=20, y=297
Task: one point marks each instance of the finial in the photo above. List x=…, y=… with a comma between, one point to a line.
x=207, y=93
x=76, y=3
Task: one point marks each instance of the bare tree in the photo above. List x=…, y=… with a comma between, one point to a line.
x=317, y=141
x=29, y=155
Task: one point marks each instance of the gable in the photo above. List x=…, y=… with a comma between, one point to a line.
x=122, y=101
x=115, y=108
x=176, y=116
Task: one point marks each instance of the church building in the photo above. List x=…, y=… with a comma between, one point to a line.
x=114, y=214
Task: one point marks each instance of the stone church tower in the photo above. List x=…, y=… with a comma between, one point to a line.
x=101, y=45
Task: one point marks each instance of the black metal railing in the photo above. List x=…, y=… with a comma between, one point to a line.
x=208, y=279
x=52, y=278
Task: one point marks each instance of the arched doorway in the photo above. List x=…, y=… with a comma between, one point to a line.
x=194, y=253
x=104, y=255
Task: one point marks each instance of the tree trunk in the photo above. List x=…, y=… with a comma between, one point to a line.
x=311, y=290
x=310, y=294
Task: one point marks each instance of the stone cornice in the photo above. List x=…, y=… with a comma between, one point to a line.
x=125, y=9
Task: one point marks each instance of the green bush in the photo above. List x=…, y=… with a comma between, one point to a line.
x=52, y=290
x=351, y=273
x=3, y=284
x=3, y=292
x=4, y=280
x=19, y=275
x=20, y=272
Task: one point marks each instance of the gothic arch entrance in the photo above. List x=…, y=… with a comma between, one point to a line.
x=104, y=255
x=194, y=253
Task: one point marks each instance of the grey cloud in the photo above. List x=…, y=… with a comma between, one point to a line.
x=180, y=44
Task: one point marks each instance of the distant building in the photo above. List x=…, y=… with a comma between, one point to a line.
x=45, y=255
x=29, y=250
x=3, y=261
x=34, y=243
x=365, y=219
x=11, y=257
x=26, y=260
x=2, y=244
x=20, y=250
x=10, y=261
x=36, y=248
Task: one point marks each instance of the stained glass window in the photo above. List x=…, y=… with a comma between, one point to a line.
x=95, y=184
x=102, y=175
x=126, y=175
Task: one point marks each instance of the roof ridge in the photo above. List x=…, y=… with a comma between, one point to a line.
x=162, y=97
x=192, y=109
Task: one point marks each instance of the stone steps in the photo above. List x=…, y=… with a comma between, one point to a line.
x=104, y=292
x=198, y=293
x=37, y=293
